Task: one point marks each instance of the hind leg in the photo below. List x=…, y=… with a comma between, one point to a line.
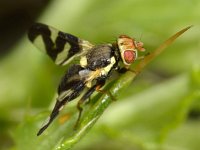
x=105, y=92
x=87, y=95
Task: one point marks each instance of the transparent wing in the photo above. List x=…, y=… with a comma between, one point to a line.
x=61, y=47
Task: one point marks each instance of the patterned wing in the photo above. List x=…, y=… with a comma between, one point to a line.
x=61, y=47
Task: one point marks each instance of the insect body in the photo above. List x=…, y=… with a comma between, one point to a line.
x=96, y=62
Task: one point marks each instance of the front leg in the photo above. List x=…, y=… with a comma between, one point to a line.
x=122, y=70
x=125, y=69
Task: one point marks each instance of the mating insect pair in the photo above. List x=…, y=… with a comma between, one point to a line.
x=96, y=62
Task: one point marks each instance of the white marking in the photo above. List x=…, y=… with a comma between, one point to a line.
x=40, y=44
x=61, y=108
x=88, y=75
x=89, y=84
x=64, y=94
x=83, y=61
x=84, y=73
x=46, y=121
x=63, y=54
x=85, y=44
x=104, y=71
x=54, y=34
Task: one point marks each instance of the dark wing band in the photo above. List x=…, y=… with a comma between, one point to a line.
x=61, y=47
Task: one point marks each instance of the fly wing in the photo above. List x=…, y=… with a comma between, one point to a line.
x=70, y=88
x=61, y=47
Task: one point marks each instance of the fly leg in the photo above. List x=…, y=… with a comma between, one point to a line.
x=87, y=95
x=88, y=101
x=105, y=92
x=81, y=101
x=125, y=69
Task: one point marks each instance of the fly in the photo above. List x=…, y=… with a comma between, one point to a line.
x=96, y=63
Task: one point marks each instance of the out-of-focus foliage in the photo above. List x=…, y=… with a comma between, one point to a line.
x=159, y=110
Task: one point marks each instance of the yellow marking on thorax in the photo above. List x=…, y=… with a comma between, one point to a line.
x=104, y=71
x=93, y=75
x=99, y=72
x=83, y=61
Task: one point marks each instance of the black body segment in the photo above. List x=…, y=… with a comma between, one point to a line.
x=99, y=56
x=70, y=88
x=70, y=79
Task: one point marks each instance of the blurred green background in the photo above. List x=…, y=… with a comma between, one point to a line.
x=160, y=110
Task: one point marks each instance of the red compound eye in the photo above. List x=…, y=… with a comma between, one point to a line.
x=129, y=56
